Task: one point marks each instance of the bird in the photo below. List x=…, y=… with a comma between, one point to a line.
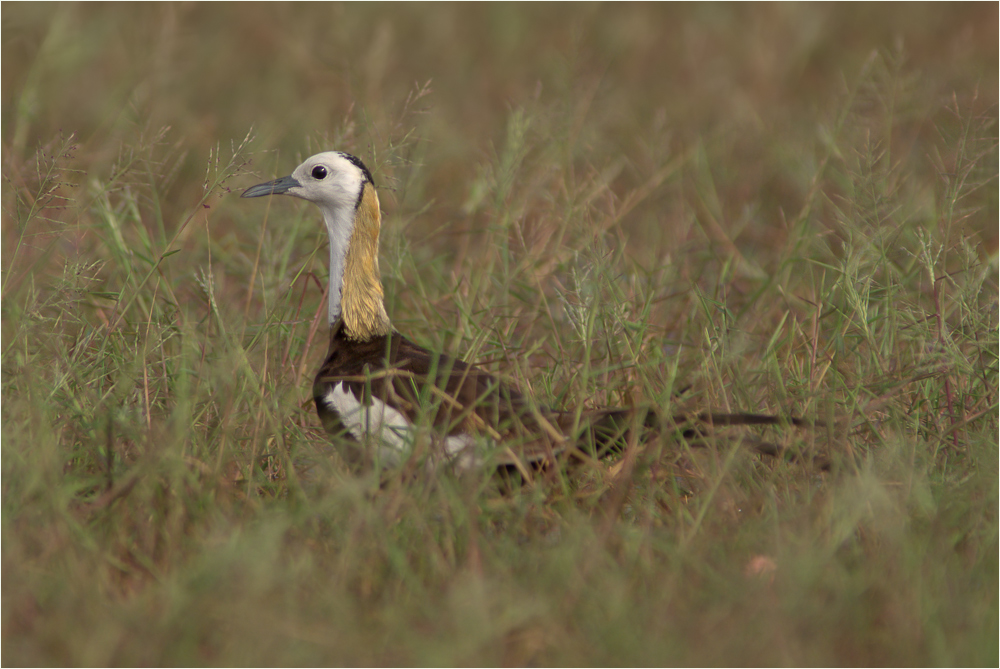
x=385, y=399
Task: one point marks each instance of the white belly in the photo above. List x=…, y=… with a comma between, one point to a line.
x=389, y=432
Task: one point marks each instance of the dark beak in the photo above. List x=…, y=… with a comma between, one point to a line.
x=276, y=187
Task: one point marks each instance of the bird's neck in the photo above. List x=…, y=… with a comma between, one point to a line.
x=356, y=294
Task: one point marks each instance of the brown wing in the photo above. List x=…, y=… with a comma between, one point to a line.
x=436, y=389
x=458, y=398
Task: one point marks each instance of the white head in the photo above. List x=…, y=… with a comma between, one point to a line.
x=332, y=180
x=342, y=187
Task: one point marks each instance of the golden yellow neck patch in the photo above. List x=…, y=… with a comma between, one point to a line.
x=362, y=299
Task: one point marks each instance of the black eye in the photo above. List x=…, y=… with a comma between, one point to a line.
x=319, y=173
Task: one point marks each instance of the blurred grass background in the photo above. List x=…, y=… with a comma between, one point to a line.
x=783, y=207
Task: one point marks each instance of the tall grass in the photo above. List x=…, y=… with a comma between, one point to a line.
x=712, y=207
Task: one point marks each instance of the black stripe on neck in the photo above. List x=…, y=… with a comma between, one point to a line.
x=354, y=160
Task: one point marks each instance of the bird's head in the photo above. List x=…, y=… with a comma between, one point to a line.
x=342, y=187
x=333, y=180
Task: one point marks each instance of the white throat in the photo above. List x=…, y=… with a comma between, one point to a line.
x=339, y=225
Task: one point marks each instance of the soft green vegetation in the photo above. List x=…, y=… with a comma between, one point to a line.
x=777, y=208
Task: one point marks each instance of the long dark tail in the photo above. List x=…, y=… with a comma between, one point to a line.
x=743, y=419
x=609, y=430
